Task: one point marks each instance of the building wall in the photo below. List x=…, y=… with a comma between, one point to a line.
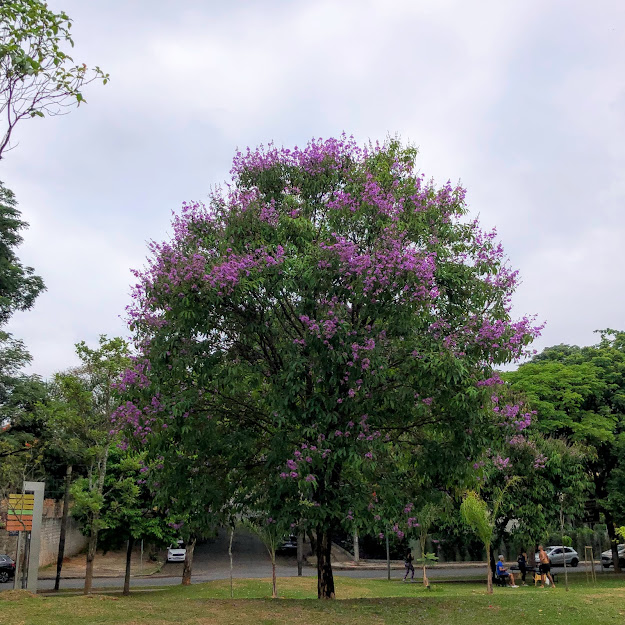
x=75, y=542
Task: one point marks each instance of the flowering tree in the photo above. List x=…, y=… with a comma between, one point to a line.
x=328, y=305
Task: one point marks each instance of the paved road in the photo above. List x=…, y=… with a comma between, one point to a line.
x=251, y=560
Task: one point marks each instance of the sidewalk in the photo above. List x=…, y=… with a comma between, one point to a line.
x=396, y=565
x=111, y=564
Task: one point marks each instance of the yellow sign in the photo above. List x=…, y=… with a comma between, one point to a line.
x=20, y=497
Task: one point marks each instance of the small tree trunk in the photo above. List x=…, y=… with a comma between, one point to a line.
x=388, y=559
x=131, y=543
x=356, y=547
x=422, y=540
x=61, y=552
x=489, y=575
x=613, y=541
x=325, y=579
x=188, y=563
x=300, y=552
x=230, y=554
x=91, y=547
x=93, y=538
x=274, y=592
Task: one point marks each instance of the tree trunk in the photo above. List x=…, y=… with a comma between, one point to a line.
x=422, y=540
x=188, y=563
x=613, y=541
x=93, y=538
x=388, y=558
x=356, y=547
x=131, y=543
x=274, y=593
x=91, y=547
x=300, y=552
x=61, y=552
x=230, y=554
x=325, y=579
x=489, y=575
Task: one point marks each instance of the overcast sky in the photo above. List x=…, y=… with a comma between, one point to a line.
x=523, y=101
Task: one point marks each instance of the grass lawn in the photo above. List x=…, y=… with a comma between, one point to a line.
x=361, y=602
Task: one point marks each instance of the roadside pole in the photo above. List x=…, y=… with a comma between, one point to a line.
x=18, y=554
x=566, y=577
x=37, y=488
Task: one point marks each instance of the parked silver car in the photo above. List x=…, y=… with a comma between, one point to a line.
x=557, y=553
x=606, y=557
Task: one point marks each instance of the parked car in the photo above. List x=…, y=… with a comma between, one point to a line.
x=557, y=553
x=7, y=568
x=606, y=557
x=290, y=544
x=177, y=552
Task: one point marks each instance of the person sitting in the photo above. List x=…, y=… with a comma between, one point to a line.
x=503, y=572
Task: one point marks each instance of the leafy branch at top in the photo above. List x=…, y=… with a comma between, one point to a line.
x=37, y=76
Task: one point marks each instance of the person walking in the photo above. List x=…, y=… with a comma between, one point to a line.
x=522, y=562
x=408, y=559
x=545, y=567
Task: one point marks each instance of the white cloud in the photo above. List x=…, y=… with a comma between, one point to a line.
x=525, y=101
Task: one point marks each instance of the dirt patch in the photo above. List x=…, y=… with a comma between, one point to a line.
x=17, y=595
x=110, y=564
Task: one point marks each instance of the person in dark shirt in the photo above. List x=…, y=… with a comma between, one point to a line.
x=522, y=562
x=408, y=564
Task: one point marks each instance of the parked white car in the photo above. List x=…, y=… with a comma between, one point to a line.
x=177, y=552
x=606, y=557
x=557, y=553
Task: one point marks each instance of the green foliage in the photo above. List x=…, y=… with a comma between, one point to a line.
x=19, y=286
x=127, y=508
x=477, y=516
x=579, y=394
x=21, y=428
x=81, y=410
x=37, y=75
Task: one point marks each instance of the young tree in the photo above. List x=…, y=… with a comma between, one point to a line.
x=272, y=533
x=579, y=394
x=427, y=515
x=37, y=76
x=128, y=513
x=481, y=518
x=68, y=442
x=329, y=303
x=95, y=382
